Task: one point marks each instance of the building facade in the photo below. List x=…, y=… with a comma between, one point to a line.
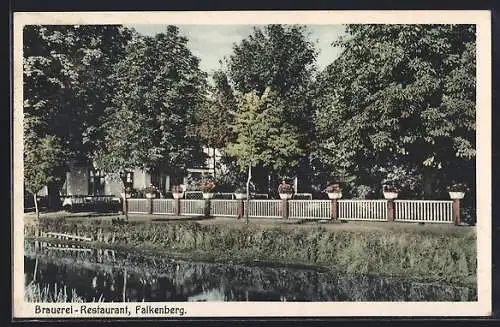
x=84, y=179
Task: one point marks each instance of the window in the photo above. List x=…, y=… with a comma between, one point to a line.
x=158, y=180
x=129, y=179
x=96, y=182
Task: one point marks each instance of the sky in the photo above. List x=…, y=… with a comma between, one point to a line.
x=212, y=43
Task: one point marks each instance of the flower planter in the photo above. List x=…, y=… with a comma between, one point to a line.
x=177, y=195
x=334, y=195
x=150, y=195
x=390, y=195
x=122, y=195
x=208, y=195
x=456, y=195
x=240, y=196
x=286, y=196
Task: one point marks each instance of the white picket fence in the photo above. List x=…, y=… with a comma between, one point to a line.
x=164, y=206
x=310, y=209
x=431, y=211
x=224, y=208
x=375, y=210
x=192, y=207
x=137, y=205
x=264, y=208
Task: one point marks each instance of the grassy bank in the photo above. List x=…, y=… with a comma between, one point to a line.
x=416, y=254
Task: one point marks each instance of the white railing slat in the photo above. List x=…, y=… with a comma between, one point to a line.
x=434, y=211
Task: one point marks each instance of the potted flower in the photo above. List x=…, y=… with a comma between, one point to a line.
x=177, y=191
x=285, y=190
x=127, y=192
x=390, y=191
x=334, y=191
x=457, y=191
x=208, y=189
x=240, y=193
x=150, y=191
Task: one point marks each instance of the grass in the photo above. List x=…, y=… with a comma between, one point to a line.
x=34, y=292
x=408, y=251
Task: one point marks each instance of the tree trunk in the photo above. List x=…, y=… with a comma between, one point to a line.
x=248, y=193
x=36, y=206
x=214, y=160
x=429, y=178
x=125, y=204
x=124, y=294
x=36, y=268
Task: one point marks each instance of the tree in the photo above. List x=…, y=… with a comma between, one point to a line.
x=282, y=58
x=262, y=138
x=47, y=155
x=215, y=118
x=400, y=98
x=67, y=88
x=159, y=87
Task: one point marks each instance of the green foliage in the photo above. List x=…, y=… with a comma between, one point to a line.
x=159, y=87
x=417, y=255
x=399, y=98
x=279, y=58
x=215, y=118
x=67, y=88
x=43, y=162
x=263, y=139
x=67, y=84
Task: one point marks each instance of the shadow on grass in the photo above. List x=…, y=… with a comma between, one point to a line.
x=181, y=219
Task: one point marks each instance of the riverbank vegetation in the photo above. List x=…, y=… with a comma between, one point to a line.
x=37, y=293
x=414, y=254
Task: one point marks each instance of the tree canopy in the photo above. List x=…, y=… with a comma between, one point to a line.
x=281, y=58
x=400, y=98
x=67, y=88
x=159, y=88
x=262, y=138
x=215, y=118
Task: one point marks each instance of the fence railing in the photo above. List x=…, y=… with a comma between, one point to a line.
x=137, y=205
x=192, y=207
x=224, y=208
x=423, y=211
x=363, y=210
x=310, y=209
x=430, y=211
x=264, y=208
x=164, y=206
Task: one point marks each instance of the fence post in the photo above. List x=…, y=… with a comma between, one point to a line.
x=333, y=210
x=390, y=210
x=177, y=206
x=284, y=208
x=124, y=204
x=207, y=208
x=150, y=206
x=456, y=211
x=240, y=209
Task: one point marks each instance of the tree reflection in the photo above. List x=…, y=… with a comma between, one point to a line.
x=125, y=278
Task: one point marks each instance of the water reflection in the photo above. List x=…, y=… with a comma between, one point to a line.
x=110, y=276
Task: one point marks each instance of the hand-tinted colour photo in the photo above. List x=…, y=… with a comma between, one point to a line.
x=311, y=163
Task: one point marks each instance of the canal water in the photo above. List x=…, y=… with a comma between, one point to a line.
x=110, y=276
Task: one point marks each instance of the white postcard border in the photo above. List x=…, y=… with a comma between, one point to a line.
x=482, y=19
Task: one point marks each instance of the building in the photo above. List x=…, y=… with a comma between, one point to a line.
x=84, y=179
